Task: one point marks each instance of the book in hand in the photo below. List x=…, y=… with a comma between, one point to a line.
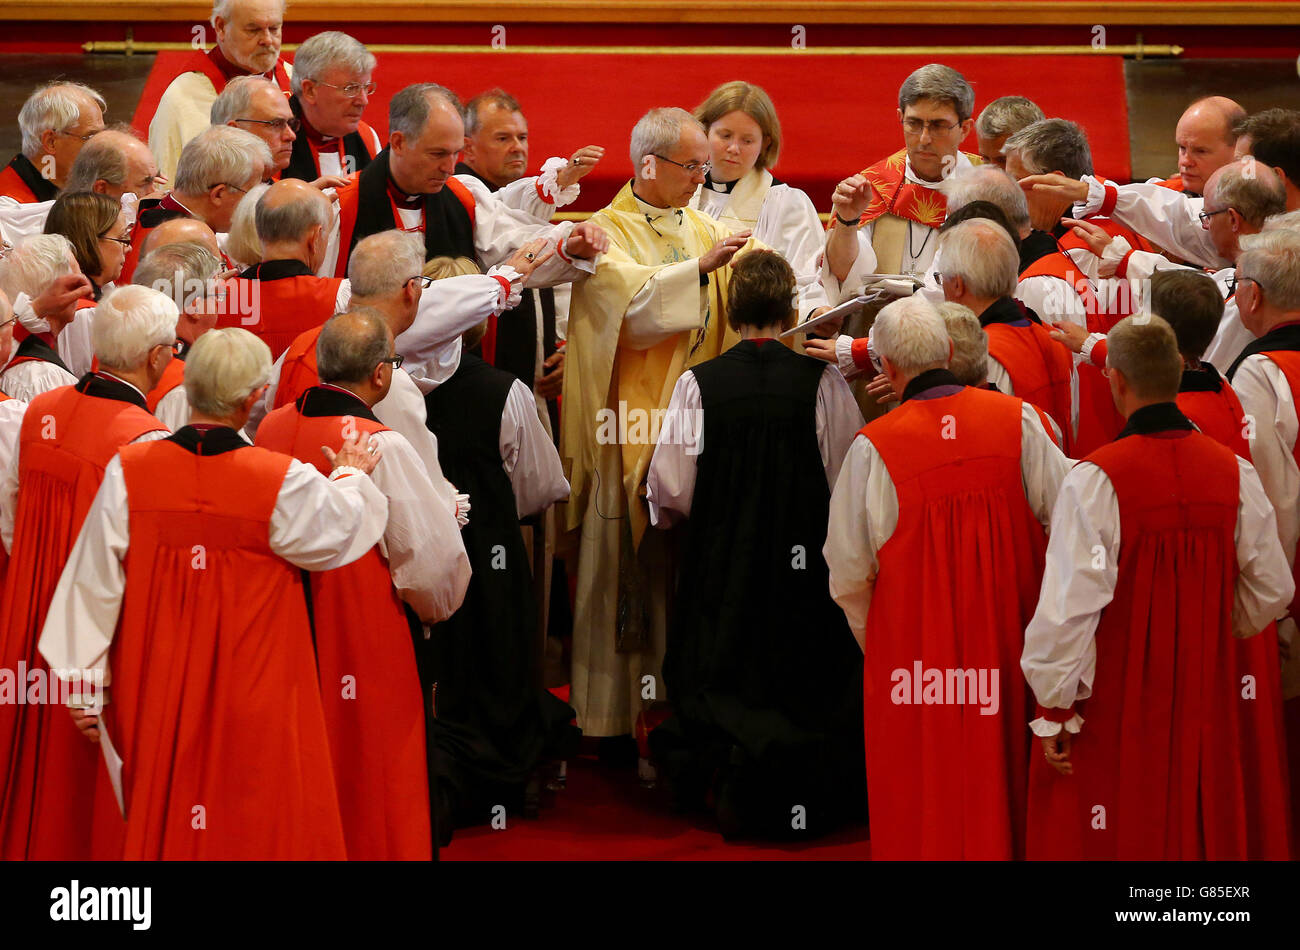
x=846, y=309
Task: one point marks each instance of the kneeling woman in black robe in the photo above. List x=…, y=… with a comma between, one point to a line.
x=762, y=673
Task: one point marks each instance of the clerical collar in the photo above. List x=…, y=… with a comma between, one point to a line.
x=1284, y=336
x=1204, y=379
x=277, y=270
x=318, y=138
x=932, y=384
x=908, y=175
x=400, y=198
x=721, y=187
x=1156, y=418
x=107, y=386
x=653, y=212
x=1007, y=310
x=328, y=400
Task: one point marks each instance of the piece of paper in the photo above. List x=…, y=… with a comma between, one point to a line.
x=846, y=309
x=114, y=763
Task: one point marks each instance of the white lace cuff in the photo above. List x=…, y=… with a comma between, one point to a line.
x=1044, y=727
x=1096, y=195
x=342, y=470
x=512, y=286
x=548, y=185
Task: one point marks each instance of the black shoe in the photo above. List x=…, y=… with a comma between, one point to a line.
x=618, y=752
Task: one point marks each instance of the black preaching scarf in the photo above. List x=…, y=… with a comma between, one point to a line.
x=1158, y=417
x=41, y=187
x=302, y=163
x=33, y=347
x=1285, y=337
x=106, y=387
x=448, y=231
x=208, y=440
x=1205, y=379
x=323, y=402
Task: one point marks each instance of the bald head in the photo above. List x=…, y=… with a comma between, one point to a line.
x=293, y=222
x=351, y=352
x=180, y=231
x=114, y=163
x=1238, y=198
x=1205, y=139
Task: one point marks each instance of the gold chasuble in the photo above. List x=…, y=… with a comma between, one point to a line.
x=634, y=326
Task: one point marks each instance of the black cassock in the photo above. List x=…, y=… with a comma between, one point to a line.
x=762, y=672
x=495, y=723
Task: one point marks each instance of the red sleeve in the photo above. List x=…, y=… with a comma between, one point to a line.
x=1054, y=715
x=861, y=358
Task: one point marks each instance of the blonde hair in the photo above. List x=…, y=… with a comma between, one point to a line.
x=970, y=344
x=224, y=367
x=1145, y=350
x=129, y=322
x=740, y=96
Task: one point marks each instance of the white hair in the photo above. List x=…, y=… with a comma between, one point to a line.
x=1288, y=219
x=911, y=335
x=382, y=263
x=223, y=368
x=222, y=8
x=326, y=51
x=292, y=220
x=988, y=183
x=35, y=262
x=56, y=106
x=220, y=154
x=234, y=99
x=1273, y=258
x=129, y=322
x=182, y=272
x=981, y=253
x=970, y=344
x=242, y=242
x=659, y=130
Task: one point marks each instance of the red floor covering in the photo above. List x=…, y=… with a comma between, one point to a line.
x=838, y=113
x=604, y=815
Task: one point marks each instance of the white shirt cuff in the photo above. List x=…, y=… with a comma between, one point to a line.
x=1044, y=728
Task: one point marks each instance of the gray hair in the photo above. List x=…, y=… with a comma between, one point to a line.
x=181, y=272
x=970, y=344
x=242, y=242
x=224, y=367
x=659, y=130
x=129, y=322
x=1251, y=189
x=408, y=111
x=382, y=263
x=221, y=8
x=910, y=333
x=492, y=97
x=1287, y=219
x=982, y=254
x=220, y=153
x=292, y=220
x=325, y=51
x=34, y=263
x=1052, y=145
x=100, y=159
x=992, y=184
x=351, y=345
x=941, y=84
x=56, y=106
x=1275, y=255
x=1007, y=115
x=234, y=99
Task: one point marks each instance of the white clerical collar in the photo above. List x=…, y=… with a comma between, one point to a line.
x=909, y=175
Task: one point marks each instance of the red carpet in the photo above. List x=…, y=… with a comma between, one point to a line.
x=604, y=815
x=837, y=112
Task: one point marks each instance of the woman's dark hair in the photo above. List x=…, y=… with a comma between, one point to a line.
x=83, y=217
x=762, y=291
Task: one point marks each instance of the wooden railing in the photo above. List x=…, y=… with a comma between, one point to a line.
x=1036, y=12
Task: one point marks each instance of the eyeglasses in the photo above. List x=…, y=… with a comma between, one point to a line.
x=6, y=323
x=125, y=242
x=1205, y=216
x=153, y=181
x=242, y=191
x=73, y=135
x=424, y=281
x=692, y=168
x=938, y=278
x=394, y=361
x=352, y=89
x=278, y=125
x=934, y=126
x=1234, y=280
x=177, y=346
